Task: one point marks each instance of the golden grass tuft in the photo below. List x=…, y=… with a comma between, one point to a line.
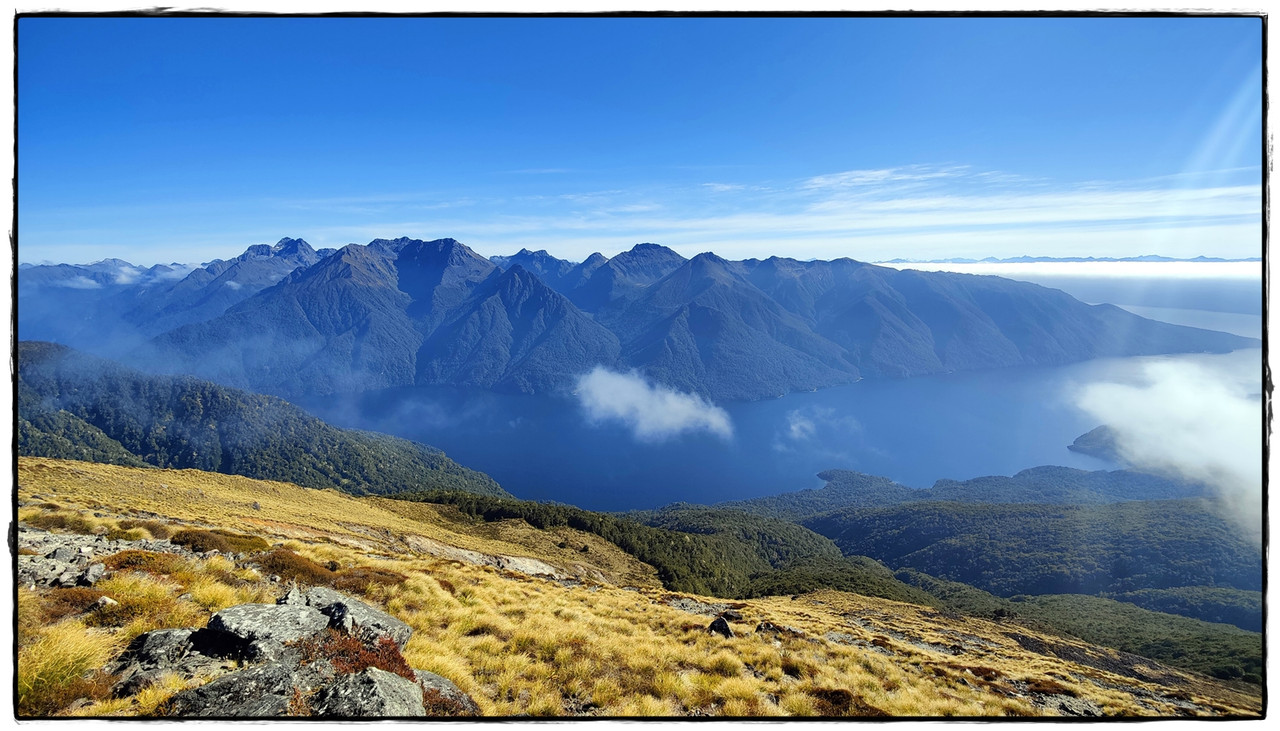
x=144, y=603
x=61, y=666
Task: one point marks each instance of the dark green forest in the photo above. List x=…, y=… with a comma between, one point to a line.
x=1214, y=649
x=723, y=553
x=1053, y=549
x=75, y=406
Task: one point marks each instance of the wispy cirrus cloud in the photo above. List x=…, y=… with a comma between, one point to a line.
x=912, y=211
x=862, y=178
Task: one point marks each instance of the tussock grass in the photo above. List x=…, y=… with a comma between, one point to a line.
x=144, y=603
x=62, y=665
x=524, y=645
x=223, y=541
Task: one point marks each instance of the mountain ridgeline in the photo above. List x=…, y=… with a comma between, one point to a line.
x=292, y=321
x=76, y=406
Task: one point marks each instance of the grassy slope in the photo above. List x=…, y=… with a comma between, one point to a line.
x=520, y=644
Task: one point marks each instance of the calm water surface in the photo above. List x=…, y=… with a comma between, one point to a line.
x=915, y=431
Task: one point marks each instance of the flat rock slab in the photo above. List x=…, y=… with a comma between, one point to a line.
x=350, y=615
x=370, y=693
x=269, y=623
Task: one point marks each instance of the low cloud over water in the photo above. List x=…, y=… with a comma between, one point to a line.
x=653, y=413
x=1189, y=420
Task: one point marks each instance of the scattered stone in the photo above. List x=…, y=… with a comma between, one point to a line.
x=693, y=606
x=64, y=554
x=259, y=692
x=103, y=601
x=1068, y=706
x=91, y=574
x=732, y=615
x=281, y=678
x=349, y=615
x=720, y=627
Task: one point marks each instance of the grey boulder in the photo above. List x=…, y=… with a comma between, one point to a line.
x=269, y=622
x=370, y=692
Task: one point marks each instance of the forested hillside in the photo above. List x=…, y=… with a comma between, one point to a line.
x=1053, y=549
x=75, y=406
x=1048, y=484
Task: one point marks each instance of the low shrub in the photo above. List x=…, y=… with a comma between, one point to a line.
x=60, y=603
x=132, y=534
x=241, y=543
x=350, y=655
x=292, y=567
x=361, y=578
x=157, y=528
x=151, y=562
x=201, y=541
x=439, y=704
x=62, y=522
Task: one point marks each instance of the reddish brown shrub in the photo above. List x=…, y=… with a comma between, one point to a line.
x=292, y=567
x=351, y=655
x=150, y=561
x=359, y=579
x=59, y=603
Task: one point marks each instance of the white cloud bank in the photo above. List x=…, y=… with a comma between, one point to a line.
x=653, y=413
x=1188, y=420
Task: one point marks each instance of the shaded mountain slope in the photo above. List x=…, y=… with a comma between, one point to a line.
x=600, y=284
x=78, y=406
x=400, y=312
x=209, y=291
x=548, y=268
x=393, y=313
x=514, y=334
x=703, y=328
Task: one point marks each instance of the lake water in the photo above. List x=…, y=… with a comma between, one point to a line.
x=914, y=431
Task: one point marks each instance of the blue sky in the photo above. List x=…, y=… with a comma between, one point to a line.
x=165, y=139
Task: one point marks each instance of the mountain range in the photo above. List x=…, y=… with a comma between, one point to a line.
x=292, y=321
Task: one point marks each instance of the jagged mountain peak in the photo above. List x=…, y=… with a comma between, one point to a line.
x=292, y=247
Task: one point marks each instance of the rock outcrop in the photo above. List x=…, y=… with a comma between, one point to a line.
x=291, y=659
x=63, y=560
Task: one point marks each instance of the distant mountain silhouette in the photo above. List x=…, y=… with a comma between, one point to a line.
x=399, y=312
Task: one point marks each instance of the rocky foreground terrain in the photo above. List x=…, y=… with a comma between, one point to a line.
x=323, y=604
